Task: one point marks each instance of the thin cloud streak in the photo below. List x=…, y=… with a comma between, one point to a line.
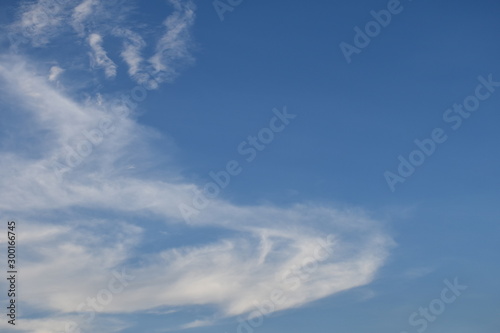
x=81, y=13
x=133, y=44
x=100, y=57
x=173, y=48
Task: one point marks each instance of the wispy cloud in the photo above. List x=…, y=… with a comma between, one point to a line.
x=81, y=13
x=40, y=21
x=173, y=48
x=172, y=52
x=100, y=57
x=54, y=73
x=232, y=273
x=131, y=53
x=197, y=323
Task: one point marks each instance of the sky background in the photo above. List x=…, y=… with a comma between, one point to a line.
x=209, y=84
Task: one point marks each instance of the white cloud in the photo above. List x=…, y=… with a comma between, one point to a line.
x=54, y=73
x=40, y=21
x=69, y=261
x=63, y=323
x=43, y=20
x=100, y=57
x=172, y=50
x=197, y=323
x=81, y=13
x=131, y=54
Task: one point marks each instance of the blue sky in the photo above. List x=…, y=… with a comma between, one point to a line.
x=126, y=137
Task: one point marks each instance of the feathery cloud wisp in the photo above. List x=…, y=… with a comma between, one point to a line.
x=81, y=13
x=54, y=73
x=100, y=57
